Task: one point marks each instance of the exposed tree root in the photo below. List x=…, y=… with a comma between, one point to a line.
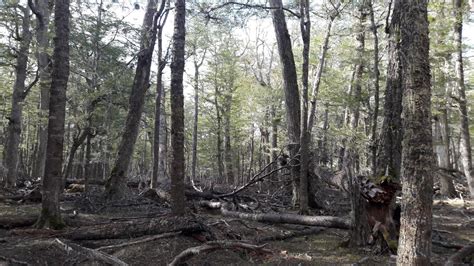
x=212, y=246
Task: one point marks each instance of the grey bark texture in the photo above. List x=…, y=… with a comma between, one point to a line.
x=414, y=246
x=177, y=110
x=50, y=216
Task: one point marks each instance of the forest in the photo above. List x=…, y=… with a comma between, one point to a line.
x=213, y=132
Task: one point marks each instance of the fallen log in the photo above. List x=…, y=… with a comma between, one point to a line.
x=456, y=258
x=135, y=228
x=212, y=246
x=323, y=221
x=14, y=221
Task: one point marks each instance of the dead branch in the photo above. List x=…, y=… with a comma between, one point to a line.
x=212, y=246
x=290, y=235
x=141, y=241
x=95, y=254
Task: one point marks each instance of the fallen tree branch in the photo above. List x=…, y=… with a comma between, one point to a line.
x=289, y=235
x=141, y=241
x=323, y=221
x=212, y=246
x=95, y=254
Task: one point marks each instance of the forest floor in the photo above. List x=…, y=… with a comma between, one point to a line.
x=90, y=221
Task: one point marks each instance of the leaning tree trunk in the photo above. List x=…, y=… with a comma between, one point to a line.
x=19, y=94
x=417, y=160
x=44, y=66
x=290, y=87
x=465, y=145
x=389, y=154
x=177, y=109
x=50, y=216
x=116, y=184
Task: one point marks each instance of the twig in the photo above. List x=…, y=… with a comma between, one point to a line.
x=141, y=241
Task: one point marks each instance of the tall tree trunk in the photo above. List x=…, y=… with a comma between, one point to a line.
x=360, y=230
x=116, y=184
x=376, y=78
x=197, y=65
x=163, y=158
x=159, y=92
x=305, y=139
x=290, y=86
x=76, y=143
x=50, y=216
x=389, y=154
x=42, y=13
x=228, y=158
x=177, y=109
x=465, y=146
x=417, y=163
x=220, y=163
x=442, y=151
x=19, y=94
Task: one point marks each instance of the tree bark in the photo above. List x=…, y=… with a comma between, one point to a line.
x=19, y=94
x=115, y=187
x=76, y=143
x=50, y=216
x=465, y=145
x=290, y=87
x=177, y=110
x=417, y=163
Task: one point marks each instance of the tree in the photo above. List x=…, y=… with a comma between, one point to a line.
x=417, y=159
x=159, y=92
x=390, y=140
x=20, y=91
x=290, y=86
x=177, y=109
x=50, y=216
x=115, y=186
x=42, y=14
x=465, y=144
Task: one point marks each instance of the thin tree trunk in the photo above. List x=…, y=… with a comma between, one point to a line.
x=19, y=94
x=163, y=158
x=319, y=71
x=50, y=216
x=305, y=27
x=417, y=166
x=116, y=184
x=290, y=86
x=376, y=78
x=42, y=13
x=159, y=92
x=360, y=230
x=197, y=65
x=76, y=143
x=177, y=110
x=220, y=164
x=465, y=146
